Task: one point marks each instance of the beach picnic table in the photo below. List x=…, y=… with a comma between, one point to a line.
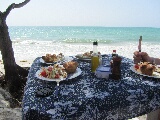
x=87, y=97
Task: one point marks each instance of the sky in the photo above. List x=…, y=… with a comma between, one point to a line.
x=108, y=13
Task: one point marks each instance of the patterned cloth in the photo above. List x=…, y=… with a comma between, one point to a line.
x=89, y=98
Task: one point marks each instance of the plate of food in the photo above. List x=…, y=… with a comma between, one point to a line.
x=85, y=56
x=52, y=58
x=146, y=69
x=68, y=70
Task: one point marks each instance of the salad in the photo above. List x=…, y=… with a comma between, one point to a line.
x=53, y=72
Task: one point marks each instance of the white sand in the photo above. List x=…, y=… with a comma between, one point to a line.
x=31, y=51
x=26, y=58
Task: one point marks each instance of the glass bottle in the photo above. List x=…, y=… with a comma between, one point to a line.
x=95, y=57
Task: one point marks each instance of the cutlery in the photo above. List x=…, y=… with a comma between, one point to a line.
x=56, y=92
x=43, y=92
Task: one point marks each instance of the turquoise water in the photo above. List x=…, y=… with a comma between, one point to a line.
x=104, y=35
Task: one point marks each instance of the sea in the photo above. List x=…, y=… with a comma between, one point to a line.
x=30, y=42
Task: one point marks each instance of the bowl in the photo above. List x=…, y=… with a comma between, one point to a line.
x=70, y=66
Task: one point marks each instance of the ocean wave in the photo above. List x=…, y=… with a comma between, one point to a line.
x=67, y=40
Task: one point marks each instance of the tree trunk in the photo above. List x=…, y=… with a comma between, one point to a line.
x=14, y=74
x=12, y=77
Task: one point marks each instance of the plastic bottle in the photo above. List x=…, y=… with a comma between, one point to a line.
x=95, y=57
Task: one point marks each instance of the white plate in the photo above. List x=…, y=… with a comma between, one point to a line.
x=155, y=74
x=71, y=76
x=79, y=56
x=42, y=61
x=66, y=58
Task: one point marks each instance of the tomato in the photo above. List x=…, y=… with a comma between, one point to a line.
x=44, y=74
x=49, y=69
x=57, y=76
x=136, y=66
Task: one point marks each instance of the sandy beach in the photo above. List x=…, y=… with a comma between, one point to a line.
x=25, y=61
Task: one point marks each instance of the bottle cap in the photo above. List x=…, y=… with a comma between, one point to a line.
x=114, y=50
x=95, y=43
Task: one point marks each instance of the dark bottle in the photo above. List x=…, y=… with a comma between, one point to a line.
x=115, y=68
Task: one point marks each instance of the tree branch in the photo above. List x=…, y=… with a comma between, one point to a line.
x=13, y=5
x=5, y=14
x=21, y=4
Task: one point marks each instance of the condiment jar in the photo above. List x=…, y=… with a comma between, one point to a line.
x=95, y=60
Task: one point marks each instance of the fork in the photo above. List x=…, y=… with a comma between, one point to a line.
x=56, y=92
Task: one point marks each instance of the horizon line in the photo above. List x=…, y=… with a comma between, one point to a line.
x=81, y=26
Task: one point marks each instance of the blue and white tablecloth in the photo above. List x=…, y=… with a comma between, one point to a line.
x=89, y=98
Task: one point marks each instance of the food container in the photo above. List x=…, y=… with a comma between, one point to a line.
x=103, y=72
